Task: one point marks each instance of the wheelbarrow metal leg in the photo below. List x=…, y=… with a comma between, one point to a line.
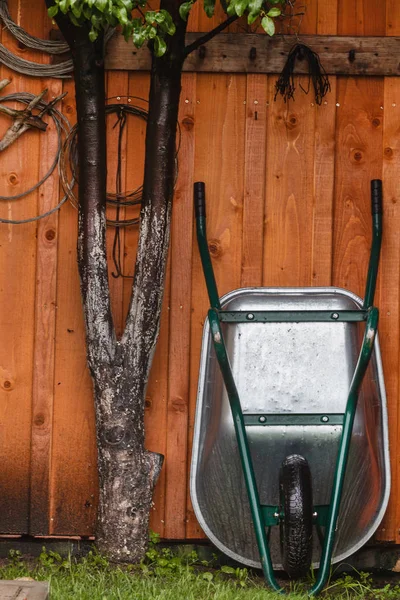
x=343, y=453
x=244, y=450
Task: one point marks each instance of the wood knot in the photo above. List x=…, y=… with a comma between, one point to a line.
x=13, y=179
x=376, y=122
x=253, y=53
x=178, y=404
x=357, y=156
x=50, y=235
x=148, y=403
x=291, y=121
x=215, y=248
x=39, y=419
x=388, y=152
x=188, y=123
x=7, y=385
x=69, y=109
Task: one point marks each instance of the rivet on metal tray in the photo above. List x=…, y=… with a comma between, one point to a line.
x=250, y=316
x=315, y=515
x=335, y=316
x=325, y=419
x=276, y=515
x=262, y=419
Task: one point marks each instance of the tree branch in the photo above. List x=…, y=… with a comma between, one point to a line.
x=88, y=58
x=209, y=35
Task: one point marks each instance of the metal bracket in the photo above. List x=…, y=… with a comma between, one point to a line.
x=292, y=419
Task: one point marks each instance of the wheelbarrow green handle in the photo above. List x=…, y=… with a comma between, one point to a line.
x=199, y=197
x=376, y=210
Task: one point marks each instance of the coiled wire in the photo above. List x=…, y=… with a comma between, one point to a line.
x=62, y=126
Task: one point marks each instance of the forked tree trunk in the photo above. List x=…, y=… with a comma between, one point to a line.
x=120, y=368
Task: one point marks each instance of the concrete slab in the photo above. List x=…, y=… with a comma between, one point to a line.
x=24, y=590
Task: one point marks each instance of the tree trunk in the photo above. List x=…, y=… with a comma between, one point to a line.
x=120, y=368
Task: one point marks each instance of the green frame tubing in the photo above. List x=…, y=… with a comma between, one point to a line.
x=368, y=313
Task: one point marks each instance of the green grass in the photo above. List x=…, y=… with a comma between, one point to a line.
x=165, y=576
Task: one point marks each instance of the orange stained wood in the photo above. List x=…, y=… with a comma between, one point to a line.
x=359, y=137
x=324, y=164
x=390, y=277
x=45, y=319
x=288, y=204
x=117, y=93
x=73, y=469
x=178, y=440
x=18, y=261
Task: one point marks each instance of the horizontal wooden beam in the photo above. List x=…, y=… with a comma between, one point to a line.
x=258, y=53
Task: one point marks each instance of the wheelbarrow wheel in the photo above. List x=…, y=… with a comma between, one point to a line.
x=296, y=508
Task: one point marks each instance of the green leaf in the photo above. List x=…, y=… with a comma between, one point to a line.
x=121, y=15
x=184, y=10
x=76, y=10
x=229, y=570
x=159, y=17
x=168, y=24
x=274, y=12
x=53, y=11
x=230, y=9
x=150, y=17
x=151, y=32
x=127, y=4
x=74, y=20
x=93, y=35
x=252, y=17
x=127, y=31
x=268, y=25
x=240, y=7
x=139, y=37
x=160, y=46
x=255, y=6
x=64, y=6
x=254, y=10
x=101, y=5
x=209, y=7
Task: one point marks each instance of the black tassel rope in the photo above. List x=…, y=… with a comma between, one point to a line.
x=316, y=74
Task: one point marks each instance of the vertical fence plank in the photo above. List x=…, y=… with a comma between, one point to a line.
x=324, y=164
x=219, y=161
x=389, y=325
x=45, y=321
x=359, y=153
x=178, y=440
x=288, y=232
x=254, y=180
x=359, y=159
x=17, y=297
x=74, y=484
x=389, y=298
x=179, y=320
x=289, y=196
x=117, y=87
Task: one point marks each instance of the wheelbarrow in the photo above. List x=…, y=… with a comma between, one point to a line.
x=290, y=462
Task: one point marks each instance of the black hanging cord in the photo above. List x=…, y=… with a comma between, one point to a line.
x=116, y=250
x=317, y=75
x=121, y=199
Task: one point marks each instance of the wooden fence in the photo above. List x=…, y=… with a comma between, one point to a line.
x=288, y=205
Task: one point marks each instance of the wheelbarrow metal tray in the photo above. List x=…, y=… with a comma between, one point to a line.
x=289, y=368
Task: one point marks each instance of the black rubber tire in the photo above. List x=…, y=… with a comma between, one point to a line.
x=296, y=507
